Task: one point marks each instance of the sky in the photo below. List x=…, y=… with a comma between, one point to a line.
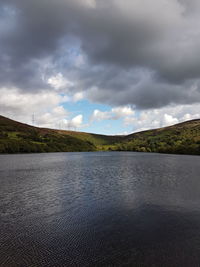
x=101, y=66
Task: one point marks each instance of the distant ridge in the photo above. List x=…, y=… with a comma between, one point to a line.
x=181, y=138
x=178, y=125
x=17, y=137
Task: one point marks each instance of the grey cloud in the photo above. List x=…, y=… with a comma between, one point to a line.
x=143, y=90
x=125, y=42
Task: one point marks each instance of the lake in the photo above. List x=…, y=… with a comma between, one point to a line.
x=99, y=209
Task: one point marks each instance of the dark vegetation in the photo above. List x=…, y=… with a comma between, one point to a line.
x=15, y=137
x=183, y=138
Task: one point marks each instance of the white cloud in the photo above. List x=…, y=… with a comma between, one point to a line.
x=101, y=115
x=52, y=119
x=74, y=124
x=59, y=121
x=59, y=82
x=78, y=96
x=114, y=114
x=167, y=116
x=60, y=111
x=169, y=120
x=13, y=101
x=78, y=120
x=122, y=111
x=45, y=105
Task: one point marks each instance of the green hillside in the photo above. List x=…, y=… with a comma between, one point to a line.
x=97, y=139
x=16, y=137
x=182, y=138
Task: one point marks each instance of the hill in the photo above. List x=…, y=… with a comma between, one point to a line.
x=16, y=137
x=182, y=138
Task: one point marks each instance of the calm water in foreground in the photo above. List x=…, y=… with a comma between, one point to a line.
x=99, y=209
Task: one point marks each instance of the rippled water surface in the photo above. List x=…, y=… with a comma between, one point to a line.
x=99, y=209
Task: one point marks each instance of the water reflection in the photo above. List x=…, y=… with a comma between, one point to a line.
x=99, y=209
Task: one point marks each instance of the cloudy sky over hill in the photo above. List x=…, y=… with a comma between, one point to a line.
x=106, y=66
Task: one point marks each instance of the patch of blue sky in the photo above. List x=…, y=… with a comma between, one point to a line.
x=86, y=108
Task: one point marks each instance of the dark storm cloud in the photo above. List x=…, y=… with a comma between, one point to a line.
x=139, y=52
x=142, y=90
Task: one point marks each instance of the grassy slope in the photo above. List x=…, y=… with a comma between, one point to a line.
x=182, y=138
x=97, y=139
x=15, y=137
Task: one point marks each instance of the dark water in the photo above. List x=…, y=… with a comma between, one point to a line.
x=99, y=209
